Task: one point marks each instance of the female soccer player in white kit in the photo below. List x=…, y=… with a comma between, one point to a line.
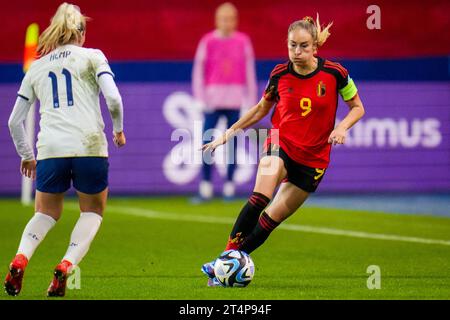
x=71, y=146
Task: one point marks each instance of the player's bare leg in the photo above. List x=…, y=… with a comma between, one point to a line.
x=50, y=203
x=48, y=209
x=92, y=207
x=287, y=200
x=271, y=172
x=93, y=202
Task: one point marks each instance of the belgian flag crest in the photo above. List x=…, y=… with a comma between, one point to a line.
x=321, y=89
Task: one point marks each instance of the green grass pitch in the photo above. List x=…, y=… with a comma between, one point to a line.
x=153, y=248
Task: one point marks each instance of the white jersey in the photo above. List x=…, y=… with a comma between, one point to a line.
x=66, y=83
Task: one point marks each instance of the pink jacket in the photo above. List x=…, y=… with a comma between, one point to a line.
x=224, y=72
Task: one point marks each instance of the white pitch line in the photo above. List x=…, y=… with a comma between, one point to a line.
x=293, y=227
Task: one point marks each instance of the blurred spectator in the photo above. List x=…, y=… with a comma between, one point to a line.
x=223, y=81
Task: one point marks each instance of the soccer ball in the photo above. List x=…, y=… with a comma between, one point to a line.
x=234, y=268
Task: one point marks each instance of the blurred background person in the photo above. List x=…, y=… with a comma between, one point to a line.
x=223, y=81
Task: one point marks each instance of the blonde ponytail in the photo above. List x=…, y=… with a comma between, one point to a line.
x=322, y=34
x=66, y=26
x=318, y=33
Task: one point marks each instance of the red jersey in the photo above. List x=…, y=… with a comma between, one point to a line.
x=305, y=111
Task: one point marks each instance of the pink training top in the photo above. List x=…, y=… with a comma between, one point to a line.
x=224, y=72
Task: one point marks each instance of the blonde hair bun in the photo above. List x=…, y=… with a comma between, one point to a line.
x=66, y=26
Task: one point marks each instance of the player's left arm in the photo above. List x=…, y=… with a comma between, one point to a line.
x=114, y=102
x=349, y=93
x=356, y=112
x=105, y=80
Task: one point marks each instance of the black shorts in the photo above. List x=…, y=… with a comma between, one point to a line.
x=304, y=177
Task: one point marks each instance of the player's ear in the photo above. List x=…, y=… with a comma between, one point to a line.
x=314, y=48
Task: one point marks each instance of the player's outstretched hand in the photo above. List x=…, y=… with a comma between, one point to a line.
x=337, y=136
x=211, y=146
x=28, y=168
x=119, y=139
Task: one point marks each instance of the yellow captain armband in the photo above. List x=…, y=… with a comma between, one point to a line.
x=349, y=91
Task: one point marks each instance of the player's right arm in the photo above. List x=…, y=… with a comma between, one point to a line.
x=25, y=99
x=252, y=116
x=17, y=131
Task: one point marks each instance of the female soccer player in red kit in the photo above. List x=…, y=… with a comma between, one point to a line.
x=304, y=91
